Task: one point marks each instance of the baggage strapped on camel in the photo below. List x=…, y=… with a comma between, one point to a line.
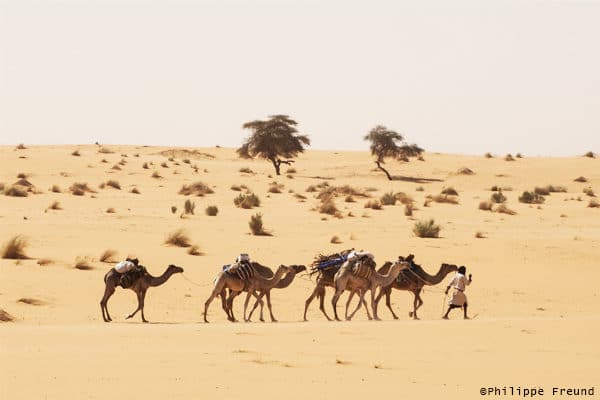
x=242, y=267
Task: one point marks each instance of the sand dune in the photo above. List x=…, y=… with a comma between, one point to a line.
x=534, y=294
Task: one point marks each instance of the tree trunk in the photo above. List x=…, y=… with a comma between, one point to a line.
x=277, y=165
x=384, y=170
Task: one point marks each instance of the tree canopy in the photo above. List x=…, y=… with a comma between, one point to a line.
x=273, y=139
x=386, y=143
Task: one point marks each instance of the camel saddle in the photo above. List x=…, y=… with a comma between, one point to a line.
x=242, y=270
x=363, y=267
x=129, y=277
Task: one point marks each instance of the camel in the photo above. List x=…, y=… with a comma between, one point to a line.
x=413, y=280
x=283, y=283
x=345, y=279
x=139, y=286
x=236, y=286
x=324, y=280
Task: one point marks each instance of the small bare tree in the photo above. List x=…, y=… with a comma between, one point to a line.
x=274, y=139
x=386, y=143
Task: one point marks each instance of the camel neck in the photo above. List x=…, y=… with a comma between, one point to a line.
x=159, y=280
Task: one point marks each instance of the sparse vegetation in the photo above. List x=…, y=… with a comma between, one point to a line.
x=113, y=184
x=189, y=207
x=581, y=179
x=55, y=206
x=14, y=249
x=386, y=143
x=589, y=192
x=299, y=196
x=328, y=206
x=20, y=146
x=443, y=198
x=502, y=208
x=543, y=191
x=116, y=167
x=80, y=189
x=194, y=250
x=107, y=256
x=275, y=187
x=173, y=209
x=83, y=263
x=480, y=235
x=247, y=201
x=349, y=199
x=105, y=150
x=450, y=191
x=509, y=157
x=408, y=210
x=485, y=205
x=16, y=191
x=135, y=191
x=488, y=155
x=498, y=197
x=291, y=170
x=156, y=175
x=531, y=198
x=246, y=170
x=76, y=153
x=593, y=203
x=145, y=165
x=164, y=165
x=373, y=204
x=212, y=211
x=426, y=229
x=197, y=188
x=335, y=240
x=519, y=155
x=236, y=188
x=55, y=189
x=589, y=154
x=465, y=171
x=388, y=199
x=178, y=238
x=420, y=189
x=110, y=210
x=256, y=225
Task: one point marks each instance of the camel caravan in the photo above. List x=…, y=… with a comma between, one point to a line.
x=349, y=270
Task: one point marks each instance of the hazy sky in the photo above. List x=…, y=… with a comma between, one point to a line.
x=452, y=76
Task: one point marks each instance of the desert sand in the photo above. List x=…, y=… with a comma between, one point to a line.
x=534, y=300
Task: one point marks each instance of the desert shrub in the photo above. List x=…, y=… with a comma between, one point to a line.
x=107, y=256
x=135, y=191
x=194, y=250
x=593, y=203
x=443, y=198
x=519, y=155
x=236, y=188
x=16, y=191
x=420, y=189
x=256, y=225
x=498, y=197
x=246, y=170
x=21, y=146
x=426, y=229
x=247, y=201
x=556, y=189
x=186, y=161
x=178, y=238
x=76, y=153
x=335, y=240
x=328, y=206
x=110, y=210
x=299, y=196
x=83, y=263
x=502, y=208
x=589, y=192
x=388, y=199
x=189, y=207
x=145, y=165
x=116, y=167
x=485, y=205
x=105, y=150
x=275, y=187
x=164, y=165
x=408, y=210
x=212, y=211
x=113, y=184
x=291, y=170
x=196, y=188
x=531, y=198
x=349, y=199
x=581, y=179
x=450, y=191
x=14, y=249
x=488, y=155
x=373, y=204
x=497, y=188
x=22, y=175
x=589, y=154
x=509, y=157
x=55, y=189
x=80, y=188
x=55, y=206
x=2, y=186
x=465, y=171
x=173, y=209
x=156, y=175
x=541, y=190
x=480, y=235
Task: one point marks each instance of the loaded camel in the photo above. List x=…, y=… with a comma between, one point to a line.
x=236, y=285
x=412, y=279
x=139, y=286
x=346, y=278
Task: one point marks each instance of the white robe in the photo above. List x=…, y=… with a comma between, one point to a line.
x=459, y=283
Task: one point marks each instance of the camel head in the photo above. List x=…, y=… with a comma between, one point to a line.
x=285, y=268
x=298, y=268
x=404, y=264
x=174, y=269
x=449, y=267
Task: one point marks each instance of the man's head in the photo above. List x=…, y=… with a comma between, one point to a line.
x=462, y=269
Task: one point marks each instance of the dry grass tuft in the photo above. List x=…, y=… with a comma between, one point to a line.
x=488, y=155
x=388, y=199
x=55, y=206
x=105, y=150
x=173, y=209
x=443, y=198
x=509, y=157
x=79, y=189
x=16, y=191
x=135, y=191
x=55, y=189
x=211, y=211
x=480, y=235
x=328, y=206
x=465, y=171
x=156, y=175
x=5, y=316
x=194, y=251
x=107, y=256
x=589, y=192
x=426, y=229
x=197, y=188
x=408, y=210
x=178, y=238
x=349, y=199
x=518, y=155
x=145, y=165
x=580, y=179
x=76, y=153
x=236, y=188
x=246, y=170
x=335, y=240
x=531, y=198
x=450, y=191
x=503, y=209
x=110, y=210
x=113, y=184
x=164, y=165
x=275, y=187
x=22, y=175
x=498, y=197
x=14, y=249
x=31, y=302
x=291, y=171
x=20, y=146
x=485, y=205
x=593, y=203
x=189, y=207
x=45, y=261
x=83, y=263
x=299, y=196
x=589, y=154
x=373, y=204
x=116, y=167
x=256, y=225
x=247, y=201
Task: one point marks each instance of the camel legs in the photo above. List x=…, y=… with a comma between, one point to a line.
x=373, y=306
x=260, y=302
x=320, y=292
x=108, y=291
x=334, y=301
x=388, y=294
x=141, y=295
x=215, y=293
x=232, y=295
x=417, y=302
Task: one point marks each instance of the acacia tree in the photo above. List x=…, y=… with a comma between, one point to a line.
x=275, y=139
x=386, y=143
